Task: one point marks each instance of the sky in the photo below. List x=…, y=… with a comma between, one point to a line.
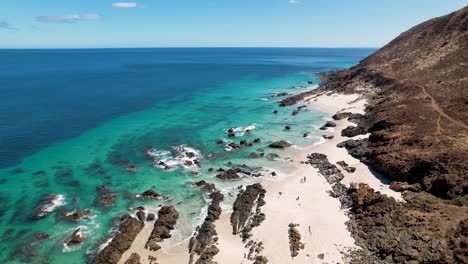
x=211, y=23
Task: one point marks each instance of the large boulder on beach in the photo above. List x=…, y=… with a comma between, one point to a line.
x=280, y=144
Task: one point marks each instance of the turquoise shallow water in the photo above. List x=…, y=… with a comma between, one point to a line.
x=100, y=155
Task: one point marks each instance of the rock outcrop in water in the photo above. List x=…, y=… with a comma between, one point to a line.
x=46, y=205
x=121, y=242
x=247, y=210
x=167, y=218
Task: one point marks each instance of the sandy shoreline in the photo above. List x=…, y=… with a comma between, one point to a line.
x=320, y=219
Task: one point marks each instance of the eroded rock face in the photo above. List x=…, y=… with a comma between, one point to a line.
x=167, y=218
x=404, y=233
x=202, y=246
x=247, y=210
x=128, y=230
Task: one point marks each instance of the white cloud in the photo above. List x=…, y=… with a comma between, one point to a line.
x=6, y=25
x=68, y=18
x=292, y=1
x=124, y=4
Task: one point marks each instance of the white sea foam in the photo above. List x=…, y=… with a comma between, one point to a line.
x=178, y=157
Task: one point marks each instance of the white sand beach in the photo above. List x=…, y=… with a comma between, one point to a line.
x=320, y=220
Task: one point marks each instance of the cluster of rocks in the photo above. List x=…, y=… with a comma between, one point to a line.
x=346, y=167
x=167, y=218
x=232, y=146
x=295, y=244
x=238, y=171
x=296, y=98
x=332, y=174
x=121, y=242
x=27, y=250
x=247, y=210
x=202, y=246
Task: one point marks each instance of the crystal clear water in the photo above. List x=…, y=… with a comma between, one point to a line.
x=75, y=119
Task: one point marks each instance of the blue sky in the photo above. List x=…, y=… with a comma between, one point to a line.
x=213, y=23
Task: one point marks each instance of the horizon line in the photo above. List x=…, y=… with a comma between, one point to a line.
x=194, y=47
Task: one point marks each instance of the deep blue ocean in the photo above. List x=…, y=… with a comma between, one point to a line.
x=71, y=120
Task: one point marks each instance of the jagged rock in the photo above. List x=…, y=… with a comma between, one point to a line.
x=128, y=230
x=280, y=144
x=246, y=210
x=167, y=218
x=133, y=259
x=75, y=238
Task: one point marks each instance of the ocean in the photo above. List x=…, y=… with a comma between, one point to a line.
x=73, y=120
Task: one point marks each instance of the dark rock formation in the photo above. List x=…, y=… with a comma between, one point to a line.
x=133, y=259
x=150, y=194
x=246, y=210
x=346, y=167
x=150, y=217
x=140, y=215
x=352, y=131
x=128, y=230
x=280, y=144
x=295, y=244
x=331, y=173
x=77, y=215
x=204, y=185
x=260, y=260
x=167, y=218
x=202, y=247
x=416, y=232
x=75, y=238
